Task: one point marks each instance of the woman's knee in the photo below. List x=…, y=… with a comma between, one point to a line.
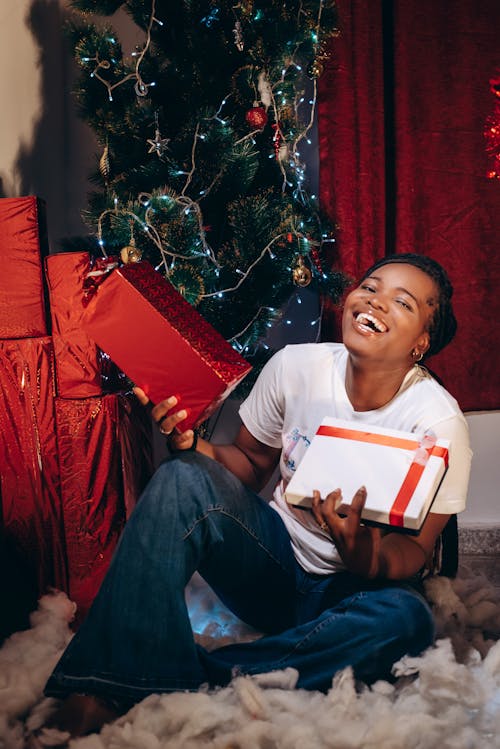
x=188, y=484
x=410, y=619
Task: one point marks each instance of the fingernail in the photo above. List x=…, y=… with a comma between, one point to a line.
x=182, y=414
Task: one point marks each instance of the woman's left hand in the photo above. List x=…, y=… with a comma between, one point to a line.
x=167, y=420
x=357, y=544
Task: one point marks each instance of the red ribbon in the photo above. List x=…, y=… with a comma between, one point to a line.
x=410, y=482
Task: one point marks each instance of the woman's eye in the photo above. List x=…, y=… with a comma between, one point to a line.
x=367, y=287
x=404, y=304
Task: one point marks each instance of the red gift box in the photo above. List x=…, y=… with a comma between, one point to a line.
x=78, y=373
x=23, y=244
x=105, y=461
x=29, y=468
x=82, y=370
x=161, y=342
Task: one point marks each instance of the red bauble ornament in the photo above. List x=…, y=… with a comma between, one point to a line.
x=256, y=117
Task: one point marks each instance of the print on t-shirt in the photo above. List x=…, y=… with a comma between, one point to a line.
x=295, y=442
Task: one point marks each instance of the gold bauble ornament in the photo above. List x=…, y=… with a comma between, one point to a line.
x=130, y=254
x=301, y=274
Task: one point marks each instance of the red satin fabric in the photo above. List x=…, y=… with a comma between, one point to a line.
x=22, y=247
x=105, y=463
x=31, y=510
x=161, y=342
x=351, y=136
x=78, y=372
x=404, y=164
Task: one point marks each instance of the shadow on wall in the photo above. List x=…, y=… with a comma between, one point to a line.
x=48, y=167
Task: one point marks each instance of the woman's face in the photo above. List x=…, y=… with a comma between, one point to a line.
x=387, y=316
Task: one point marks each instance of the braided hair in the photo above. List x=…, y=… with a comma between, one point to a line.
x=442, y=325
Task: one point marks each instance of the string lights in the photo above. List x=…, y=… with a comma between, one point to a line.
x=227, y=250
x=141, y=88
x=492, y=132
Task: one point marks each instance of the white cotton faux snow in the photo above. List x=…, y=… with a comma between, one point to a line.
x=449, y=697
x=26, y=661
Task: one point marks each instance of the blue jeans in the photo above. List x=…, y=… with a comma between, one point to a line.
x=195, y=515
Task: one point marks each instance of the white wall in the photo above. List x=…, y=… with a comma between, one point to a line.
x=20, y=87
x=46, y=150
x=483, y=504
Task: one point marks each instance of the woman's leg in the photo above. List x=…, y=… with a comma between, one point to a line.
x=137, y=637
x=368, y=630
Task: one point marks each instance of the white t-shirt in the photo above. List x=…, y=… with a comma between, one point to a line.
x=301, y=385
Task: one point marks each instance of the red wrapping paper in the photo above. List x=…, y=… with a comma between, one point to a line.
x=161, y=342
x=23, y=244
x=31, y=512
x=105, y=457
x=78, y=372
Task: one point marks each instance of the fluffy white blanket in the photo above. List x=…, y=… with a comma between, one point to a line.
x=449, y=697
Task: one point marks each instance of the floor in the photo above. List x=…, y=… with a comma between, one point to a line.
x=480, y=550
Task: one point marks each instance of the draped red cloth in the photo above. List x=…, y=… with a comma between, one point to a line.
x=402, y=109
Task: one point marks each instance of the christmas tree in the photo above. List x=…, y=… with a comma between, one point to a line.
x=200, y=171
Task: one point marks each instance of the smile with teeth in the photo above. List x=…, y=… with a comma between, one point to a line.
x=370, y=323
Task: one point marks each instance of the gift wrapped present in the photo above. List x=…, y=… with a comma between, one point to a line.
x=401, y=472
x=105, y=461
x=23, y=244
x=78, y=372
x=31, y=512
x=161, y=342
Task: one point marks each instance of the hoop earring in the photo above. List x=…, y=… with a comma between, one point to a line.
x=417, y=356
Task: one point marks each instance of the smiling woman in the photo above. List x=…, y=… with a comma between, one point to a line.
x=386, y=325
x=327, y=590
x=442, y=324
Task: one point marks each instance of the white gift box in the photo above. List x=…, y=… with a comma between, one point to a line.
x=401, y=471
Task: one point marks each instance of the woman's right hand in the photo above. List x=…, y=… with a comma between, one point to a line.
x=167, y=420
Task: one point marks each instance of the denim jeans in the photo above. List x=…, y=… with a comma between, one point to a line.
x=195, y=515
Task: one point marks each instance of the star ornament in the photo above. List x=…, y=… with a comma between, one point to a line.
x=158, y=144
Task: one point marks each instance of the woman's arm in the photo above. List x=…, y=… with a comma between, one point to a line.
x=250, y=460
x=404, y=555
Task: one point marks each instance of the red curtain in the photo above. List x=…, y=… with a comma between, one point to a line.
x=403, y=105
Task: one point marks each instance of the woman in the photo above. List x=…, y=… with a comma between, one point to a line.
x=328, y=591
